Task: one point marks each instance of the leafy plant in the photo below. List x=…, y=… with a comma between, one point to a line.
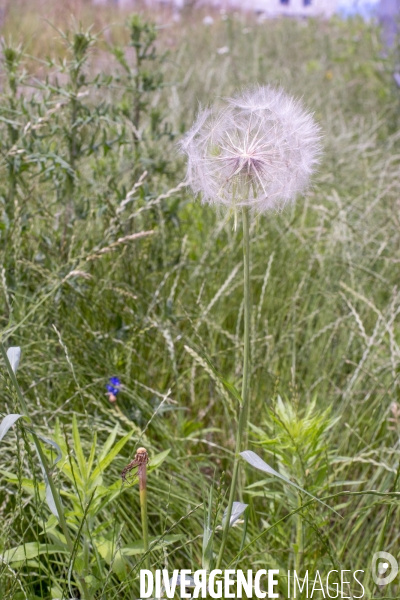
x=10, y=114
x=97, y=546
x=142, y=80
x=297, y=440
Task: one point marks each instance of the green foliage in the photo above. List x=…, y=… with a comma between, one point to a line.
x=87, y=300
x=298, y=440
x=10, y=117
x=142, y=79
x=97, y=544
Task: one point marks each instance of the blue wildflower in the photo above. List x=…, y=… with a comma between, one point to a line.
x=114, y=385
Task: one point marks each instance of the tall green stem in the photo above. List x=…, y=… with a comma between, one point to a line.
x=43, y=460
x=299, y=536
x=244, y=411
x=247, y=318
x=143, y=511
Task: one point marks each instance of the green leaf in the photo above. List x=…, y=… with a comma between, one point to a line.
x=8, y=422
x=93, y=582
x=107, y=460
x=49, y=494
x=27, y=484
x=54, y=445
x=71, y=470
x=92, y=454
x=208, y=532
x=258, y=463
x=78, y=449
x=51, y=523
x=109, y=443
x=158, y=459
x=138, y=547
x=31, y=550
x=109, y=550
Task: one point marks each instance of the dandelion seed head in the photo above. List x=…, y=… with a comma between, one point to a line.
x=257, y=151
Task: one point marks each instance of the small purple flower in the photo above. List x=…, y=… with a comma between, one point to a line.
x=114, y=386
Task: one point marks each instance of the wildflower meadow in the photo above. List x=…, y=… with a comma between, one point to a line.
x=199, y=288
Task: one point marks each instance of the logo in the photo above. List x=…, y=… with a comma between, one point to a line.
x=380, y=568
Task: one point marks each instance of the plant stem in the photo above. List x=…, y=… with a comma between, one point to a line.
x=247, y=318
x=136, y=103
x=299, y=535
x=244, y=411
x=43, y=459
x=143, y=511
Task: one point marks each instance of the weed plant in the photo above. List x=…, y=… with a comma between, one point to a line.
x=109, y=268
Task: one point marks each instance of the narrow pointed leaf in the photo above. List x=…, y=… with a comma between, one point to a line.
x=27, y=484
x=107, y=460
x=109, y=443
x=49, y=494
x=158, y=459
x=14, y=355
x=208, y=533
x=258, y=463
x=138, y=547
x=238, y=509
x=92, y=454
x=78, y=449
x=54, y=445
x=8, y=422
x=49, y=497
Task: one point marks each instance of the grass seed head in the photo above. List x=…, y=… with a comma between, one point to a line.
x=257, y=151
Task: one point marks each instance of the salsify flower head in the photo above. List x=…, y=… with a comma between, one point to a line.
x=257, y=151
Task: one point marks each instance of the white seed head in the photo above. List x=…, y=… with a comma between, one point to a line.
x=257, y=151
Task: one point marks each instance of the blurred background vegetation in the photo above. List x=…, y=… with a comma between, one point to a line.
x=110, y=268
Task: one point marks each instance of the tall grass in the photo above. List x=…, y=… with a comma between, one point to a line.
x=86, y=299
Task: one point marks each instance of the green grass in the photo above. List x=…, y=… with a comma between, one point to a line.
x=326, y=302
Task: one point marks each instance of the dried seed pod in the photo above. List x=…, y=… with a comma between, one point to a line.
x=140, y=462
